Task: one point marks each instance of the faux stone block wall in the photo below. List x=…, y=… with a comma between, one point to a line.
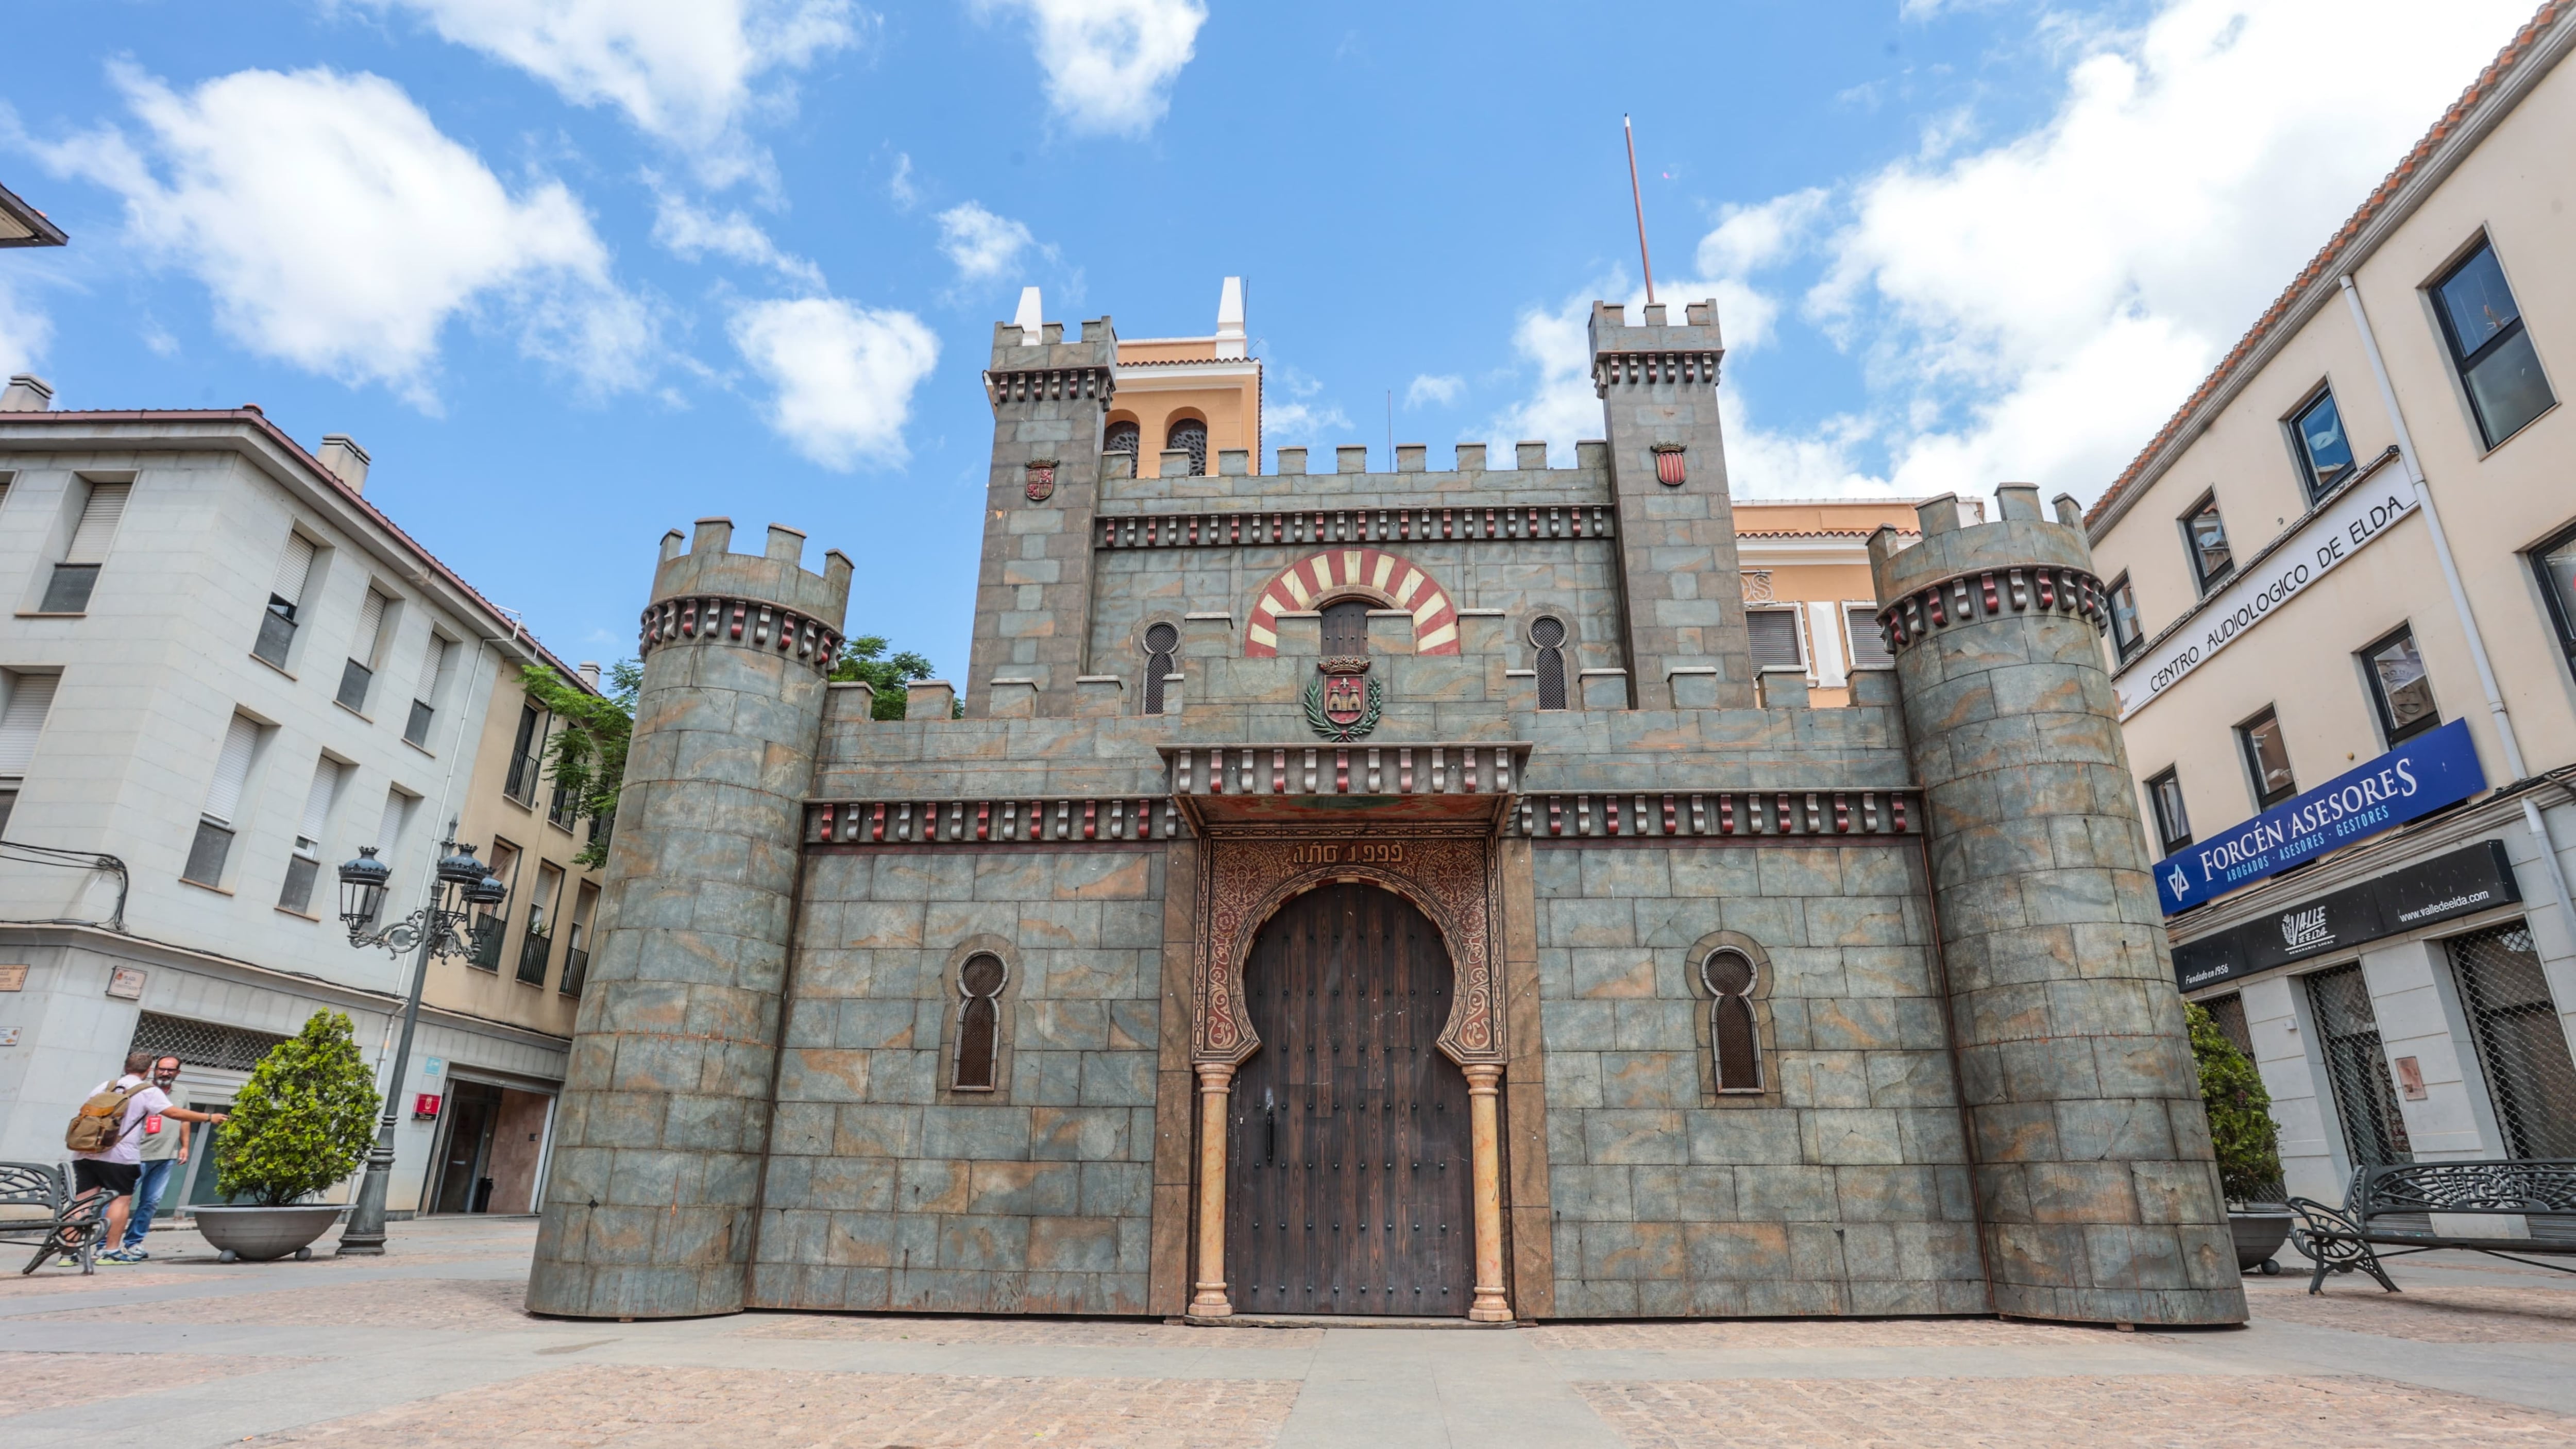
x=2096, y=1180
x=665, y=1107
x=889, y=1191
x=1034, y=581
x=1842, y=1188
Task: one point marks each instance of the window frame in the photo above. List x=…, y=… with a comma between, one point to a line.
x=2208, y=583
x=2367, y=656
x=2168, y=837
x=2313, y=483
x=2561, y=616
x=2126, y=649
x=2461, y=364
x=1541, y=656
x=2245, y=751
x=1797, y=635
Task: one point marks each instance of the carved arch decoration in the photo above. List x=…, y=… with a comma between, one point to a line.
x=1392, y=580
x=1455, y=880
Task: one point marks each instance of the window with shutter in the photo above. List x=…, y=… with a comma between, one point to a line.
x=426, y=694
x=1869, y=645
x=285, y=598
x=304, y=864
x=68, y=591
x=214, y=839
x=359, y=675
x=23, y=718
x=1775, y=638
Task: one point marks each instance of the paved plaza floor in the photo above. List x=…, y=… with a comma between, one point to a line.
x=428, y=1346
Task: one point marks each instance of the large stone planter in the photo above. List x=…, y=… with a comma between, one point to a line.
x=258, y=1234
x=2259, y=1235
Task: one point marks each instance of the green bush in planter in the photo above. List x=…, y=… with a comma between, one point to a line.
x=2240, y=1112
x=304, y=1120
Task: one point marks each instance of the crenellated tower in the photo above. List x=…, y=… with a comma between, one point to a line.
x=2097, y=1191
x=666, y=1102
x=1684, y=598
x=1033, y=588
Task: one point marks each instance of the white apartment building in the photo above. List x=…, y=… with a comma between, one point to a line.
x=223, y=672
x=2344, y=584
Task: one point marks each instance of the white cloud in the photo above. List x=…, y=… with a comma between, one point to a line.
x=1431, y=389
x=844, y=375
x=1110, y=63
x=2061, y=292
x=690, y=233
x=906, y=195
x=983, y=246
x=2035, y=307
x=25, y=330
x=338, y=230
x=1296, y=422
x=687, y=72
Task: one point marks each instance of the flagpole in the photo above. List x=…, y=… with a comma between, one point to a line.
x=1639, y=197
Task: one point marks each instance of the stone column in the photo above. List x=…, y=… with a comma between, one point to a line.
x=2096, y=1189
x=1679, y=588
x=1484, y=1084
x=1216, y=1086
x=666, y=1100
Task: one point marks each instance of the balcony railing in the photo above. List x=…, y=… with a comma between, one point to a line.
x=416, y=730
x=354, y=682
x=522, y=784
x=207, y=852
x=487, y=944
x=576, y=966
x=534, y=949
x=67, y=592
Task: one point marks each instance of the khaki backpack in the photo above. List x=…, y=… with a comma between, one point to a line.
x=97, y=1126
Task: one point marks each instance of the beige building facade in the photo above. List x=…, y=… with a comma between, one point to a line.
x=2346, y=563
x=1808, y=607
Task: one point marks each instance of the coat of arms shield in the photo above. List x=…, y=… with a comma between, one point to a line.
x=1344, y=703
x=1041, y=480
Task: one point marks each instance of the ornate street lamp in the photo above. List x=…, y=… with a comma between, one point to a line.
x=441, y=928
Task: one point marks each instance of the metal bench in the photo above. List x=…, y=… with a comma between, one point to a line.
x=37, y=1206
x=2345, y=1239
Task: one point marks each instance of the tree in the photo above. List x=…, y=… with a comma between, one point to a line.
x=588, y=760
x=304, y=1120
x=865, y=658
x=2240, y=1112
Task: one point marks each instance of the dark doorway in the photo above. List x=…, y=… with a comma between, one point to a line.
x=1350, y=1175
x=1346, y=629
x=464, y=1164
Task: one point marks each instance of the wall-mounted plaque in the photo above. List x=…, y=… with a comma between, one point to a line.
x=127, y=983
x=13, y=978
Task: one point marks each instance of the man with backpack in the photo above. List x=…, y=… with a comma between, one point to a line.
x=105, y=1139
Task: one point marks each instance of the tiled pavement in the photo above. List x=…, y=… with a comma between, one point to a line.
x=427, y=1347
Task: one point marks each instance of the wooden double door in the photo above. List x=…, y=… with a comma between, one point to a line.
x=1350, y=1180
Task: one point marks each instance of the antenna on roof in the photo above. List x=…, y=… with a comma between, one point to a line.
x=1639, y=197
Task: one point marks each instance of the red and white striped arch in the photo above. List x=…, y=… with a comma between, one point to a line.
x=1391, y=579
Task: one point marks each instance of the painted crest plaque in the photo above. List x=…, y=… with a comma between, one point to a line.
x=1344, y=702
x=1041, y=480
x=1668, y=464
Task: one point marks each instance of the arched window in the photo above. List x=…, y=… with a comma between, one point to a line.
x=1729, y=976
x=1346, y=629
x=1547, y=637
x=1160, y=641
x=1124, y=438
x=1190, y=433
x=979, y=1021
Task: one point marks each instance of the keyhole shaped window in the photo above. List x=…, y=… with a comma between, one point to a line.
x=979, y=1022
x=1729, y=976
x=1160, y=641
x=1547, y=638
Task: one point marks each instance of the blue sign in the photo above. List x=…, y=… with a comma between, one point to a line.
x=2434, y=769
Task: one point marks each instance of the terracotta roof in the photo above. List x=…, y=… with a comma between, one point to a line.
x=2333, y=252
x=1820, y=533
x=250, y=413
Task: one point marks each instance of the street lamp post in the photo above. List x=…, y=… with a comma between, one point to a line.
x=436, y=929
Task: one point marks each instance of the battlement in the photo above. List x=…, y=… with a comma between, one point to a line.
x=2020, y=538
x=1525, y=479
x=1695, y=343
x=707, y=566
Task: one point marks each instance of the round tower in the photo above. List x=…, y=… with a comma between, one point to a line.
x=666, y=1099
x=2097, y=1193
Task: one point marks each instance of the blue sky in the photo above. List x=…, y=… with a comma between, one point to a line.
x=578, y=271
